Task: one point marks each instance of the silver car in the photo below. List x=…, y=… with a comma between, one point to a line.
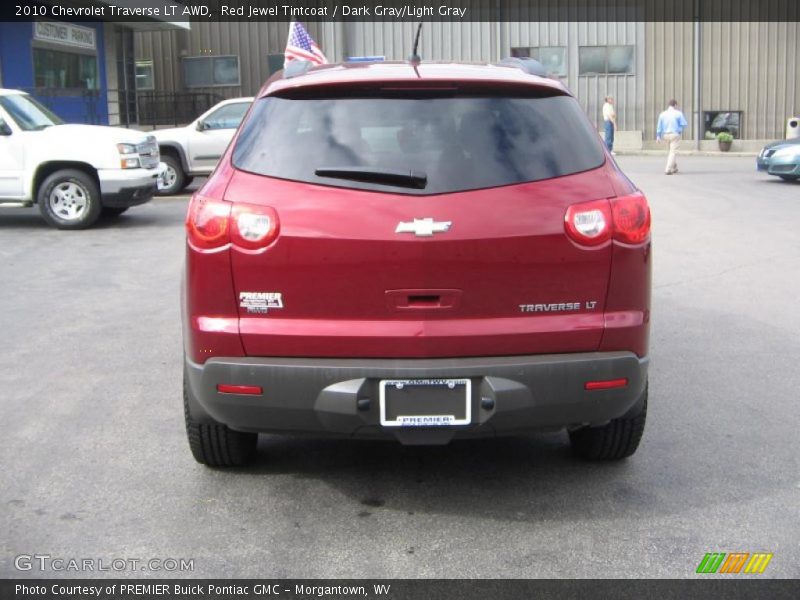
x=781, y=158
x=194, y=150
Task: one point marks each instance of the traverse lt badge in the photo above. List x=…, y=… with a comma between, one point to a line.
x=423, y=227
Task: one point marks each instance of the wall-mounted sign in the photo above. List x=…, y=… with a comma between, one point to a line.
x=65, y=34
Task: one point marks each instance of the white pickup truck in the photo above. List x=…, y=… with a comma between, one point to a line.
x=74, y=173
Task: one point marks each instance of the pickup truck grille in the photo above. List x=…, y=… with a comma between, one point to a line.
x=148, y=153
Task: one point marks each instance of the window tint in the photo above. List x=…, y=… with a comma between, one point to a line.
x=64, y=70
x=553, y=58
x=620, y=59
x=591, y=59
x=525, y=53
x=227, y=117
x=28, y=113
x=460, y=143
x=209, y=71
x=144, y=75
x=601, y=60
x=226, y=70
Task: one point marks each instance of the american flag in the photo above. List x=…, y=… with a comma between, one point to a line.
x=301, y=46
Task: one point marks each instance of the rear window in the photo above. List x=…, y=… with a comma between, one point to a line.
x=450, y=144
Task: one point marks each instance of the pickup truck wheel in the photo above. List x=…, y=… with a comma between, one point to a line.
x=69, y=199
x=214, y=444
x=174, y=177
x=618, y=439
x=113, y=211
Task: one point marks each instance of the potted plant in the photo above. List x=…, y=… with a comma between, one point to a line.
x=725, y=140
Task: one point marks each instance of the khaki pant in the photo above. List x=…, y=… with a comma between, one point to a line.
x=674, y=141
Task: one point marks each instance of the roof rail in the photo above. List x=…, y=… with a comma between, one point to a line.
x=529, y=65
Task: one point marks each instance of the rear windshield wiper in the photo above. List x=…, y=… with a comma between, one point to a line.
x=397, y=177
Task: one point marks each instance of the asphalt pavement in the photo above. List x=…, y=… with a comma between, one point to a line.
x=96, y=464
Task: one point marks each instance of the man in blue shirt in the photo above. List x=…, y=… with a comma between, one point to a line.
x=671, y=124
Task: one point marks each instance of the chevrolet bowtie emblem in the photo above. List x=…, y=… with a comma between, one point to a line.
x=423, y=227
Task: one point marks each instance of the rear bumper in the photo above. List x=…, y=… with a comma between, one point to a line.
x=511, y=395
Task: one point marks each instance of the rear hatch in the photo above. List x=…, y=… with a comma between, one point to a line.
x=419, y=224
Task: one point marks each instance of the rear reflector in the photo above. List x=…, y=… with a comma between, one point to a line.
x=252, y=390
x=607, y=384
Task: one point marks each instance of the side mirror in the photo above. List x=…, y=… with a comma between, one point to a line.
x=201, y=126
x=4, y=128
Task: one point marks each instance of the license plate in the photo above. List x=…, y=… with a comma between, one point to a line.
x=425, y=402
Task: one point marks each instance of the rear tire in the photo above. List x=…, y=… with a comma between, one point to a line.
x=213, y=443
x=174, y=178
x=618, y=439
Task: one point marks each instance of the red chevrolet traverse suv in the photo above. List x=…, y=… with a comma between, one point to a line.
x=416, y=252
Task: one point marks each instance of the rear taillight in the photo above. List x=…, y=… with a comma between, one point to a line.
x=631, y=219
x=254, y=226
x=208, y=222
x=589, y=223
x=625, y=219
x=212, y=224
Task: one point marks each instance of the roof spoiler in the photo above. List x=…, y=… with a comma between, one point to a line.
x=529, y=65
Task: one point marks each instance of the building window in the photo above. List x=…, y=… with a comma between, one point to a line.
x=64, y=70
x=275, y=62
x=726, y=121
x=211, y=71
x=602, y=60
x=620, y=59
x=553, y=58
x=144, y=75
